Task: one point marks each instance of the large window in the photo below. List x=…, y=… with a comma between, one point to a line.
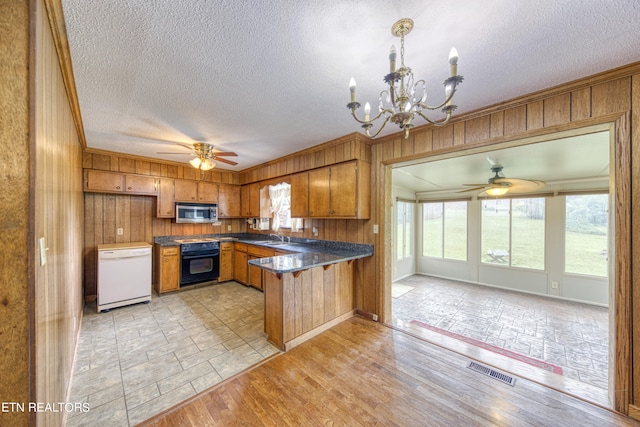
x=404, y=230
x=586, y=224
x=513, y=232
x=445, y=230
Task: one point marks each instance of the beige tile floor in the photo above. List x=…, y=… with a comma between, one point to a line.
x=571, y=335
x=136, y=361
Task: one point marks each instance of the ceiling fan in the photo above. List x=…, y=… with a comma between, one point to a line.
x=205, y=155
x=498, y=185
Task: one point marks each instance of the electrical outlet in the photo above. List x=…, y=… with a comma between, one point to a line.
x=315, y=231
x=554, y=285
x=228, y=228
x=120, y=231
x=375, y=228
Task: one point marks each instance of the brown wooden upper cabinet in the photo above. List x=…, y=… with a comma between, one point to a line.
x=165, y=206
x=115, y=182
x=195, y=191
x=228, y=201
x=250, y=200
x=338, y=191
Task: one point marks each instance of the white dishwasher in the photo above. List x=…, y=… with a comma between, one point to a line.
x=124, y=274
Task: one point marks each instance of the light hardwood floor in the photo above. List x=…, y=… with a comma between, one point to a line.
x=363, y=373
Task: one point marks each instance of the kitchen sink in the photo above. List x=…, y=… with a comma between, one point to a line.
x=277, y=243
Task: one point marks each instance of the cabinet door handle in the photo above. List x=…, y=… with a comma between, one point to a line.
x=129, y=188
x=117, y=187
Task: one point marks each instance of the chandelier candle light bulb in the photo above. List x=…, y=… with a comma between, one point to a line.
x=453, y=61
x=404, y=99
x=352, y=88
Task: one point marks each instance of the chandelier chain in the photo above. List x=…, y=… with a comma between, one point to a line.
x=402, y=50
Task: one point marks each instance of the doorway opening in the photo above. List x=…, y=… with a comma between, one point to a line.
x=519, y=281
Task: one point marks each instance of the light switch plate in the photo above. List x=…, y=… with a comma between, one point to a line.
x=43, y=251
x=375, y=228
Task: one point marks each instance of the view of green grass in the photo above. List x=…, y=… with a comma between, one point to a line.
x=585, y=246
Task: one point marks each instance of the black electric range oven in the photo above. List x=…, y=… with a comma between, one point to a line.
x=199, y=260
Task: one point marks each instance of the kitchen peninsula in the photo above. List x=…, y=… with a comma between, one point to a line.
x=307, y=293
x=308, y=287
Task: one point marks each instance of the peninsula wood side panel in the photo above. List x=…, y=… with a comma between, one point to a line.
x=597, y=100
x=308, y=299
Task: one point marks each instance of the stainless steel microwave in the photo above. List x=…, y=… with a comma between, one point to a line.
x=196, y=213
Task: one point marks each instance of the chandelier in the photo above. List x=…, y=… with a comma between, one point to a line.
x=404, y=100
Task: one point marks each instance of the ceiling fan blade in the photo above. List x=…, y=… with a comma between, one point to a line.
x=521, y=185
x=229, y=162
x=483, y=187
x=476, y=185
x=224, y=153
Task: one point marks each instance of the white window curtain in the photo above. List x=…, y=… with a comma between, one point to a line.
x=280, y=197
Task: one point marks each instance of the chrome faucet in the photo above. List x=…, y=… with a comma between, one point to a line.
x=280, y=237
x=277, y=236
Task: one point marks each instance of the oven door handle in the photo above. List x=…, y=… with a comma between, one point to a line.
x=202, y=256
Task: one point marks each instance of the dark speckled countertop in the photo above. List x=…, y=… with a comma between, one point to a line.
x=305, y=253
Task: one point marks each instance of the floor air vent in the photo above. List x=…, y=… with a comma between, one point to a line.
x=502, y=377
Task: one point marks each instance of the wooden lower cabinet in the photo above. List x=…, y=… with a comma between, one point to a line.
x=226, y=262
x=256, y=273
x=249, y=274
x=167, y=268
x=240, y=267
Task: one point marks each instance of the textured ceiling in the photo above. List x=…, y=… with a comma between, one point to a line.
x=268, y=78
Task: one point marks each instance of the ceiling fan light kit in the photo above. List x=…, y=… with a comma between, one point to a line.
x=404, y=100
x=497, y=191
x=202, y=163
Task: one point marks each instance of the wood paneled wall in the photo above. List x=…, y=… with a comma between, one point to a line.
x=56, y=216
x=15, y=158
x=349, y=147
x=610, y=99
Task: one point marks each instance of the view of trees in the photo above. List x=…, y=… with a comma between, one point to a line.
x=587, y=214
